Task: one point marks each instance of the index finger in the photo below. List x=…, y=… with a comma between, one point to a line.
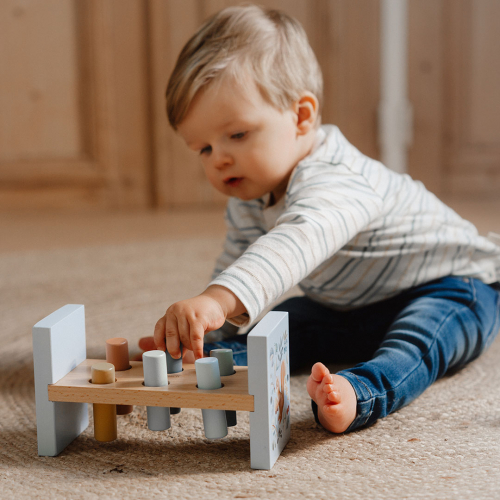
x=196, y=334
x=147, y=343
x=172, y=336
x=159, y=333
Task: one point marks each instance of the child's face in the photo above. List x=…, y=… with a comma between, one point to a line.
x=247, y=147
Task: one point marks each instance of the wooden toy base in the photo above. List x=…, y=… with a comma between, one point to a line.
x=63, y=387
x=128, y=389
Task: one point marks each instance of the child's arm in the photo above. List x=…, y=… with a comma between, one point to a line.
x=187, y=321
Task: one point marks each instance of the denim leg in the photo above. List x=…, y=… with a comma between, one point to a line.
x=445, y=324
x=319, y=333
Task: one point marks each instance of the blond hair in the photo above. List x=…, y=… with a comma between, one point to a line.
x=268, y=45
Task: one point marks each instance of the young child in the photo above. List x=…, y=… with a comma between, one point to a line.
x=390, y=275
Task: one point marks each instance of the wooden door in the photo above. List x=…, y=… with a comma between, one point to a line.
x=82, y=96
x=82, y=106
x=345, y=37
x=455, y=91
x=74, y=113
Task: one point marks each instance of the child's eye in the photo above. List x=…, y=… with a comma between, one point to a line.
x=239, y=135
x=206, y=149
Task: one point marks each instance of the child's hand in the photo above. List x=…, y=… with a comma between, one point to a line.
x=148, y=344
x=187, y=322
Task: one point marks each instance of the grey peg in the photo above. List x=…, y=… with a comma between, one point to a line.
x=226, y=367
x=174, y=366
x=208, y=378
x=155, y=375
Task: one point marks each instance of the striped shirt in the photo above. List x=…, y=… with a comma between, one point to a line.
x=349, y=231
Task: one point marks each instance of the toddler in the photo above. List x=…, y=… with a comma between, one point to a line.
x=391, y=276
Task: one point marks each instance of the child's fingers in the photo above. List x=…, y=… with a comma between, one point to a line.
x=172, y=336
x=183, y=330
x=147, y=343
x=197, y=333
x=159, y=333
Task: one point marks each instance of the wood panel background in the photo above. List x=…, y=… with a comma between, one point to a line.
x=454, y=71
x=82, y=96
x=74, y=113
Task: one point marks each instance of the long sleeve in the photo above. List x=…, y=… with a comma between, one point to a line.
x=351, y=232
x=242, y=226
x=325, y=209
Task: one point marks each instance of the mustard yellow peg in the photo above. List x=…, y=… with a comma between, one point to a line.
x=104, y=414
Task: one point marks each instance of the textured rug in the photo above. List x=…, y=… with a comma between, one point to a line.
x=445, y=445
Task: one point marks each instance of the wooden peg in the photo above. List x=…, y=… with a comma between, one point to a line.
x=104, y=414
x=117, y=354
x=174, y=366
x=226, y=367
x=208, y=378
x=155, y=375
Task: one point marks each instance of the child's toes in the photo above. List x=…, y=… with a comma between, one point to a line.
x=328, y=388
x=331, y=394
x=318, y=372
x=333, y=397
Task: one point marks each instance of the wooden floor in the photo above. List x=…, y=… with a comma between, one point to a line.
x=39, y=231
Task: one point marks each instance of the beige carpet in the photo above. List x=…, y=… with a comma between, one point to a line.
x=446, y=445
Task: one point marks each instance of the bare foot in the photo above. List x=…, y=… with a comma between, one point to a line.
x=334, y=396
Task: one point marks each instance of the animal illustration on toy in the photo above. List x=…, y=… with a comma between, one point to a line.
x=66, y=381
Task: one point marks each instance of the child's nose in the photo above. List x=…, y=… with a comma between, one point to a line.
x=222, y=159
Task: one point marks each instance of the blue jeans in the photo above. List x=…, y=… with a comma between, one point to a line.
x=404, y=343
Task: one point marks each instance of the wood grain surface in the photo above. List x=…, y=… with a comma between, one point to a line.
x=129, y=389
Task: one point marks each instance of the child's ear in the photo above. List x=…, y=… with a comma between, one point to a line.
x=306, y=109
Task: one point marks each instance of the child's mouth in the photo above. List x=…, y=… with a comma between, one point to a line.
x=233, y=181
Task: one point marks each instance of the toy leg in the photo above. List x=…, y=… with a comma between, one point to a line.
x=269, y=383
x=58, y=347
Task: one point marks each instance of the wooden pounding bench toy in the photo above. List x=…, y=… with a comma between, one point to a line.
x=65, y=381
